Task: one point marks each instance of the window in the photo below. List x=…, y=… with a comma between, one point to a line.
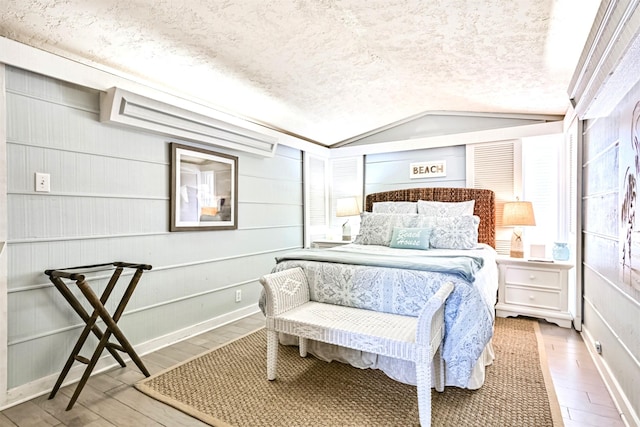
x=540, y=161
x=316, y=197
x=527, y=169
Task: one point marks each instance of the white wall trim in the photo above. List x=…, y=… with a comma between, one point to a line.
x=3, y=238
x=128, y=108
x=623, y=405
x=119, y=236
x=44, y=385
x=607, y=68
x=490, y=135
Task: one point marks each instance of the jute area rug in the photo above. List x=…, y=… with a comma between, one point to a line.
x=228, y=387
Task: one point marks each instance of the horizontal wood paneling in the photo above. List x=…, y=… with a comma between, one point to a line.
x=597, y=173
x=86, y=174
x=599, y=136
x=31, y=216
x=602, y=215
x=109, y=201
x=620, y=346
x=601, y=254
x=390, y=171
x=40, y=123
x=599, y=291
x=612, y=306
x=27, y=262
x=52, y=90
x=268, y=191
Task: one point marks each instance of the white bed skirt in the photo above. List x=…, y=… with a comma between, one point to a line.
x=399, y=370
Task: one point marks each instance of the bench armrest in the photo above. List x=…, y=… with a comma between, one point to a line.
x=284, y=290
x=431, y=318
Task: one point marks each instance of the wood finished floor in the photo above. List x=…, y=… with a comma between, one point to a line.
x=109, y=399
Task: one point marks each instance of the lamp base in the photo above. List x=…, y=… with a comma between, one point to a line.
x=346, y=231
x=517, y=248
x=516, y=254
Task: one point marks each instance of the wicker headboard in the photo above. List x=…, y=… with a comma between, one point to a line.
x=485, y=206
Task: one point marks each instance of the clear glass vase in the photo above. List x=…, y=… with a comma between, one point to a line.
x=560, y=251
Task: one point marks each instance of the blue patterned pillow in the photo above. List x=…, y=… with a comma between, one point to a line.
x=410, y=238
x=458, y=232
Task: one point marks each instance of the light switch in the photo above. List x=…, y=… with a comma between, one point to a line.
x=43, y=182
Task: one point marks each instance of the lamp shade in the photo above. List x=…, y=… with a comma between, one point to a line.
x=518, y=214
x=347, y=206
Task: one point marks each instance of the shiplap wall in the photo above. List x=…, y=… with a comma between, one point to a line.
x=390, y=171
x=109, y=201
x=611, y=307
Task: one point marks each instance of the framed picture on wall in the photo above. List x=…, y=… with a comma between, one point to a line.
x=204, y=189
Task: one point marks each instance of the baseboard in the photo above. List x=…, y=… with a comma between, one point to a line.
x=628, y=415
x=44, y=385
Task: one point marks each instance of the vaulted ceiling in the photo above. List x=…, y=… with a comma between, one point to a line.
x=326, y=70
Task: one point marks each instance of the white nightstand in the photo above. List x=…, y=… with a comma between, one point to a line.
x=534, y=288
x=326, y=243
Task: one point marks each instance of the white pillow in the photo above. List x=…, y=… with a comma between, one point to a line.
x=395, y=207
x=445, y=209
x=457, y=232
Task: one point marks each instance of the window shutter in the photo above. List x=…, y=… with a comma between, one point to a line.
x=492, y=166
x=346, y=181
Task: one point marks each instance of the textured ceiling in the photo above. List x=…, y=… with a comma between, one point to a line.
x=327, y=70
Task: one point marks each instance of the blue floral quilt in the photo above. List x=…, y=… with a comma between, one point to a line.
x=468, y=316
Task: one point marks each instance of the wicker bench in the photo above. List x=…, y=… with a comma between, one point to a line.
x=289, y=310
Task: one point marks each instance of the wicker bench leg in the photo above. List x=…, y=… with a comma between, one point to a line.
x=302, y=343
x=272, y=354
x=439, y=381
x=423, y=383
x=423, y=379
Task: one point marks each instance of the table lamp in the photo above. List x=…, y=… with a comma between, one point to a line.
x=517, y=215
x=347, y=206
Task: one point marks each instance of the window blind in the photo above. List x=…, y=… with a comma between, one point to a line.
x=493, y=166
x=346, y=181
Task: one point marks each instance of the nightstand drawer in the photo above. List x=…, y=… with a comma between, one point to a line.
x=532, y=297
x=535, y=277
x=534, y=288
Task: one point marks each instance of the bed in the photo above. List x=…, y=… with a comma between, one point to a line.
x=410, y=243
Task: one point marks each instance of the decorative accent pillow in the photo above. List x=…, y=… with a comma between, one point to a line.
x=377, y=228
x=458, y=232
x=444, y=209
x=410, y=238
x=395, y=207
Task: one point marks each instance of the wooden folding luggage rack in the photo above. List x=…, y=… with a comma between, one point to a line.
x=99, y=310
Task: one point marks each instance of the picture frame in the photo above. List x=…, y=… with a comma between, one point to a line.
x=204, y=189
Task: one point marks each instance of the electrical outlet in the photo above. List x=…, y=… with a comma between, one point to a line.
x=238, y=295
x=598, y=347
x=43, y=182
